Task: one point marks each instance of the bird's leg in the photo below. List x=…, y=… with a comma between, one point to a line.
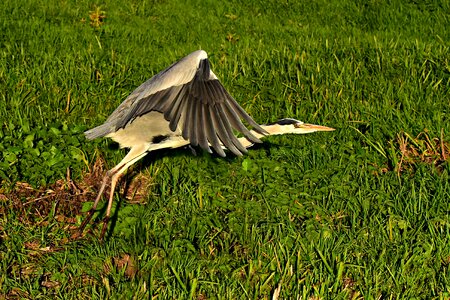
x=114, y=180
x=91, y=211
x=133, y=156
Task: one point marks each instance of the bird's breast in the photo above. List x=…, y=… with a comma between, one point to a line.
x=146, y=129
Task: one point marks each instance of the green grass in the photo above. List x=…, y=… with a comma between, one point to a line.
x=326, y=215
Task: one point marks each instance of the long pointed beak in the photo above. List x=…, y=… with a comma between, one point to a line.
x=312, y=127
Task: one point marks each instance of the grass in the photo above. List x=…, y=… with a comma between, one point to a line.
x=359, y=213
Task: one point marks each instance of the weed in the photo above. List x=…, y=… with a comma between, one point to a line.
x=97, y=17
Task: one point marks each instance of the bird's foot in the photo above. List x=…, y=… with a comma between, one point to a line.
x=79, y=231
x=104, y=227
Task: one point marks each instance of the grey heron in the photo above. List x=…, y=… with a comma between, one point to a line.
x=184, y=104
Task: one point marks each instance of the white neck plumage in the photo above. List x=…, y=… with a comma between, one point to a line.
x=285, y=126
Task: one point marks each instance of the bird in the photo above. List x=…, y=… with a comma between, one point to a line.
x=183, y=105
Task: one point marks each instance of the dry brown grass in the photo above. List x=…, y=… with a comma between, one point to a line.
x=64, y=199
x=420, y=149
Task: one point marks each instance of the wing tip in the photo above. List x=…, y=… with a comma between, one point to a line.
x=201, y=54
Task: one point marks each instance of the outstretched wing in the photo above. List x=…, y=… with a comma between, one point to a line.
x=192, y=99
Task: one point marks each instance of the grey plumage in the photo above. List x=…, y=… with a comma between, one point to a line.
x=195, y=103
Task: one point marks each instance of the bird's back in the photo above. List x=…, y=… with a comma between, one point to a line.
x=178, y=73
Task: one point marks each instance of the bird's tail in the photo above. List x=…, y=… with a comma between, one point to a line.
x=98, y=131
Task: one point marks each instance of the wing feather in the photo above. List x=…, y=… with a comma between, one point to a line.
x=173, y=115
x=194, y=102
x=229, y=130
x=193, y=123
x=211, y=132
x=201, y=129
x=243, y=114
x=236, y=123
x=188, y=118
x=169, y=100
x=222, y=133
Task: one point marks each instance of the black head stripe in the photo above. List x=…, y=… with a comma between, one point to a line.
x=286, y=122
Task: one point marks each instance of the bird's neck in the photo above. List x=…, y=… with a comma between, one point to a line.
x=272, y=129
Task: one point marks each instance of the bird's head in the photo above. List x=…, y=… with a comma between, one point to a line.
x=288, y=125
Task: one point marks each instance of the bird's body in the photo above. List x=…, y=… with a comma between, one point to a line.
x=187, y=100
x=184, y=104
x=133, y=134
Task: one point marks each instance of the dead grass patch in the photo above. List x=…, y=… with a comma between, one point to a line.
x=123, y=262
x=64, y=199
x=420, y=149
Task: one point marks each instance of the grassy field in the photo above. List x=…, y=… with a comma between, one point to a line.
x=359, y=213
